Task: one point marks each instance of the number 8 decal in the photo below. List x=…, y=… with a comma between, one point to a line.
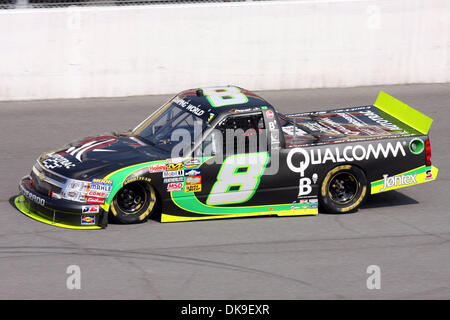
x=238, y=178
x=224, y=96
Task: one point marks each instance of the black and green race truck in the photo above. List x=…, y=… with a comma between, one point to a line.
x=225, y=152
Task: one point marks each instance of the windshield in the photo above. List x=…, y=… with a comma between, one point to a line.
x=158, y=128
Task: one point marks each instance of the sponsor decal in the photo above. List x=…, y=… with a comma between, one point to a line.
x=101, y=185
x=191, y=163
x=157, y=168
x=98, y=194
x=87, y=219
x=193, y=188
x=304, y=185
x=130, y=180
x=380, y=120
x=315, y=126
x=398, y=181
x=289, y=130
x=172, y=174
x=189, y=107
x=32, y=196
x=95, y=200
x=352, y=119
x=347, y=154
x=429, y=175
x=174, y=160
x=274, y=135
x=339, y=127
x=55, y=160
x=311, y=203
x=193, y=172
x=172, y=180
x=175, y=186
x=174, y=166
x=91, y=209
x=193, y=180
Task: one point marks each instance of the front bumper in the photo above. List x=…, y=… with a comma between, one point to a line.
x=57, y=212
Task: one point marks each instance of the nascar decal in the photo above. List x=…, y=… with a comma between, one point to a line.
x=191, y=163
x=405, y=179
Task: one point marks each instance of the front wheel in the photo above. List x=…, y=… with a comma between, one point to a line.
x=344, y=189
x=134, y=203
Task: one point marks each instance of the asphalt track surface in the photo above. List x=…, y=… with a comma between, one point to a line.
x=406, y=233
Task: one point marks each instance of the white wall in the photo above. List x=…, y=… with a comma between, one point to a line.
x=140, y=50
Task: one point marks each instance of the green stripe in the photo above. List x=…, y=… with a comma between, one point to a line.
x=120, y=175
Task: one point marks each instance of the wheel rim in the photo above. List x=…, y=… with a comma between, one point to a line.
x=343, y=188
x=132, y=198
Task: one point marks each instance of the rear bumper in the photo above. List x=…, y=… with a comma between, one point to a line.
x=57, y=212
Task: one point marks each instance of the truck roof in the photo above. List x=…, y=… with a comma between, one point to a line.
x=199, y=97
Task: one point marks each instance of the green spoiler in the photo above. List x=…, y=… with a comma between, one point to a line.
x=403, y=112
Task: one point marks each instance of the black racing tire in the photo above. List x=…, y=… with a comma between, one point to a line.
x=344, y=189
x=133, y=203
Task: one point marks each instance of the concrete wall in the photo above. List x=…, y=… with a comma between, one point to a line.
x=140, y=50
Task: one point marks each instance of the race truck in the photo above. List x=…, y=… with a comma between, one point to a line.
x=225, y=152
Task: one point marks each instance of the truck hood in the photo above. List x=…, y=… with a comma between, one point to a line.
x=94, y=157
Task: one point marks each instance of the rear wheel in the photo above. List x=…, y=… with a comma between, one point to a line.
x=344, y=189
x=133, y=203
